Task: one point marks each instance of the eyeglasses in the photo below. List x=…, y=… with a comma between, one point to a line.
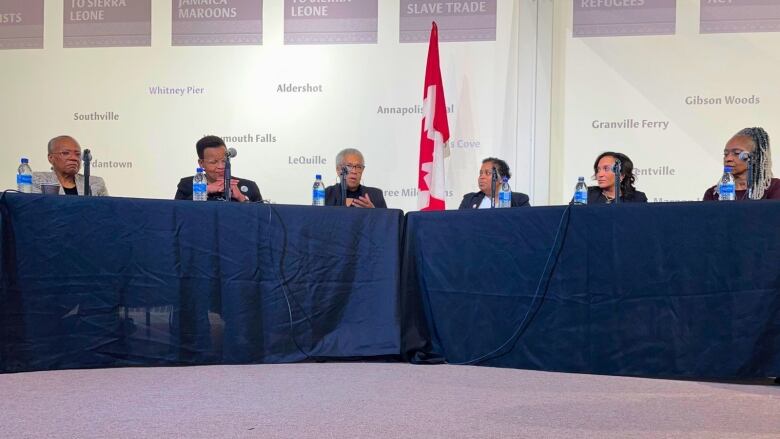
x=67, y=153
x=354, y=167
x=734, y=152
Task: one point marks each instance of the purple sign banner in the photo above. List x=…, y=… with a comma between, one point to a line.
x=217, y=23
x=604, y=18
x=458, y=20
x=107, y=23
x=21, y=24
x=316, y=22
x=724, y=16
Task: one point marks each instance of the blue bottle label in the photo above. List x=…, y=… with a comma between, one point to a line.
x=726, y=189
x=23, y=179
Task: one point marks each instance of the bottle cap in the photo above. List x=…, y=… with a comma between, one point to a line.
x=504, y=179
x=198, y=169
x=24, y=160
x=580, y=178
x=727, y=169
x=318, y=176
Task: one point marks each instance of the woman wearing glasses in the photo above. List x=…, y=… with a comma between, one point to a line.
x=357, y=194
x=211, y=157
x=755, y=142
x=65, y=158
x=604, y=191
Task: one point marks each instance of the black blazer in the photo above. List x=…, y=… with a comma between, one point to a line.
x=472, y=200
x=184, y=190
x=596, y=197
x=333, y=195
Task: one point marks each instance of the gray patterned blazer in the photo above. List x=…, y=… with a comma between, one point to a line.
x=96, y=183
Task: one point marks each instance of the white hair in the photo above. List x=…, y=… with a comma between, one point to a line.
x=761, y=173
x=348, y=151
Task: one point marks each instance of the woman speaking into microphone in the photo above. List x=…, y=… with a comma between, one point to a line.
x=604, y=173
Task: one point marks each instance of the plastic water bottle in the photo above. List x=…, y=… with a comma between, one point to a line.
x=581, y=192
x=24, y=177
x=199, y=183
x=318, y=192
x=505, y=194
x=726, y=189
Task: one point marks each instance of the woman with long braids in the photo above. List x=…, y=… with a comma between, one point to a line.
x=754, y=141
x=604, y=191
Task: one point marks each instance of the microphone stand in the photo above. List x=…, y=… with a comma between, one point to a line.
x=493, y=181
x=749, y=178
x=343, y=184
x=227, y=178
x=616, y=169
x=87, y=158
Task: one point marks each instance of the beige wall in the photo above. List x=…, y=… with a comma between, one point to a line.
x=649, y=78
x=487, y=83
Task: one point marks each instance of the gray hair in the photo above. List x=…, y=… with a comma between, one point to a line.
x=348, y=151
x=54, y=141
x=761, y=173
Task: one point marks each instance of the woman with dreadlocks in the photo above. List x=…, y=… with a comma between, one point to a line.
x=754, y=141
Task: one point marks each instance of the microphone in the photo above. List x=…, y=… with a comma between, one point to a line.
x=617, y=171
x=229, y=154
x=343, y=184
x=493, y=180
x=747, y=157
x=87, y=158
x=616, y=166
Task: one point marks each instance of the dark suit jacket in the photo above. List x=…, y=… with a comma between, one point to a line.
x=184, y=190
x=472, y=200
x=596, y=197
x=333, y=195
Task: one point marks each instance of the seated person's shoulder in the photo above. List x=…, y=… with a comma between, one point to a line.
x=250, y=189
x=773, y=191
x=520, y=199
x=184, y=189
x=98, y=185
x=639, y=197
x=464, y=204
x=376, y=195
x=709, y=194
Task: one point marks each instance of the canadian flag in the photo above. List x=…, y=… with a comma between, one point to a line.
x=434, y=135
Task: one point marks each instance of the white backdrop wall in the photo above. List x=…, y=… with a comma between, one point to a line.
x=535, y=97
x=658, y=78
x=491, y=86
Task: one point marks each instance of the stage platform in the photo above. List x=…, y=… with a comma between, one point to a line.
x=382, y=400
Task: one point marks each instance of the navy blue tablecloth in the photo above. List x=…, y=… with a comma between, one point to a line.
x=675, y=290
x=95, y=282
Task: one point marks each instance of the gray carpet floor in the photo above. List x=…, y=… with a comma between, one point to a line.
x=367, y=400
